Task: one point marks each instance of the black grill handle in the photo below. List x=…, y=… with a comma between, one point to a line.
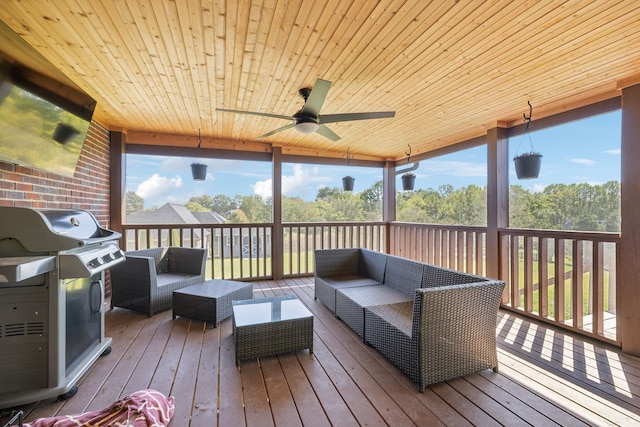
x=96, y=296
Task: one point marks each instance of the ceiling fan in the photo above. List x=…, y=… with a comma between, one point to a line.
x=308, y=119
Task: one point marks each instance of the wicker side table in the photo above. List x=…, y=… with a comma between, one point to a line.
x=209, y=301
x=269, y=326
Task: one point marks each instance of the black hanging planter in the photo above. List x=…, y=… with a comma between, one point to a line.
x=64, y=133
x=408, y=181
x=528, y=165
x=199, y=171
x=347, y=183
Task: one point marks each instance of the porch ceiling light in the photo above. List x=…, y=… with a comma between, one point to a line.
x=306, y=127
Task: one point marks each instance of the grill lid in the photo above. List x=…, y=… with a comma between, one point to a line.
x=52, y=230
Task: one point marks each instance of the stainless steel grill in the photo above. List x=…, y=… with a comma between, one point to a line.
x=52, y=264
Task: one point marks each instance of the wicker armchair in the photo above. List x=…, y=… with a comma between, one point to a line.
x=145, y=281
x=446, y=332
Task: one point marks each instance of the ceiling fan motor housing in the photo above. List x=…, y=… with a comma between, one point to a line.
x=305, y=123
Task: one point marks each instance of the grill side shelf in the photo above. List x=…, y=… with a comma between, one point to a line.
x=17, y=269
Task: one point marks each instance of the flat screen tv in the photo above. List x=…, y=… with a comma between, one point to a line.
x=41, y=129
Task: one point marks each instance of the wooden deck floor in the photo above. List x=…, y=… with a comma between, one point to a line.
x=546, y=377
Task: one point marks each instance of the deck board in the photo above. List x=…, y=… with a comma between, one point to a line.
x=547, y=377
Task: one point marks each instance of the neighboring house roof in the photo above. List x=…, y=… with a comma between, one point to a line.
x=209, y=217
x=171, y=213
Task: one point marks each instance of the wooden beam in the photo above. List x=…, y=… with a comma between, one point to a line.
x=628, y=315
x=497, y=196
x=165, y=139
x=118, y=178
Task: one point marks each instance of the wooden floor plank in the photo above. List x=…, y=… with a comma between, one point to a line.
x=308, y=404
x=334, y=405
x=521, y=401
x=256, y=400
x=230, y=403
x=205, y=401
x=165, y=372
x=283, y=407
x=547, y=377
x=154, y=346
x=112, y=388
x=184, y=384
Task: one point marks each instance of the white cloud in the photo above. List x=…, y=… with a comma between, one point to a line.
x=263, y=188
x=157, y=187
x=303, y=182
x=538, y=188
x=614, y=151
x=586, y=162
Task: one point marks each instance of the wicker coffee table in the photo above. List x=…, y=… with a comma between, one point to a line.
x=209, y=301
x=269, y=326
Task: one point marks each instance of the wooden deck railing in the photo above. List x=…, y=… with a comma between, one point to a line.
x=236, y=251
x=563, y=277
x=456, y=247
x=302, y=239
x=244, y=251
x=583, y=301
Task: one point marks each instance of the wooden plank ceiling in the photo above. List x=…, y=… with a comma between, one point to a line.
x=449, y=69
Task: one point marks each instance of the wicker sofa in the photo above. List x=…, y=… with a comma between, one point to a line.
x=145, y=281
x=433, y=323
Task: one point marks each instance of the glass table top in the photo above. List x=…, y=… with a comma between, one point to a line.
x=266, y=310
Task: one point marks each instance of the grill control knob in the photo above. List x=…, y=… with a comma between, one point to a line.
x=96, y=262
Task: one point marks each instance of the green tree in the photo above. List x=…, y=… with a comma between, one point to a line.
x=238, y=217
x=255, y=208
x=341, y=206
x=205, y=201
x=196, y=207
x=372, y=198
x=134, y=203
x=223, y=204
x=294, y=209
x=326, y=193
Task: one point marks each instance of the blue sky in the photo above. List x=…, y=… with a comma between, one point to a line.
x=582, y=151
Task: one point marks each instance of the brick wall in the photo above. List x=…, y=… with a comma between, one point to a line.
x=88, y=189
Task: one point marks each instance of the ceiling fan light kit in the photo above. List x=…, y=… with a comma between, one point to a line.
x=306, y=127
x=309, y=120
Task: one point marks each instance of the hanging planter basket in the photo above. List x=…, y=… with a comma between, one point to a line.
x=347, y=183
x=64, y=133
x=408, y=181
x=528, y=165
x=199, y=171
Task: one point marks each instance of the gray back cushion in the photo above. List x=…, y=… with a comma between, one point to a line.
x=403, y=274
x=372, y=264
x=437, y=276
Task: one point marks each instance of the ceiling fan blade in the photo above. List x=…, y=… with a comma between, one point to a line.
x=314, y=101
x=276, y=131
x=327, y=133
x=348, y=117
x=277, y=116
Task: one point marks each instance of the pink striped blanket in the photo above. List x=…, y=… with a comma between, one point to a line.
x=145, y=408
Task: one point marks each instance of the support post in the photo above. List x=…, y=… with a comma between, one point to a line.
x=277, y=255
x=117, y=185
x=628, y=291
x=388, y=201
x=497, y=196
